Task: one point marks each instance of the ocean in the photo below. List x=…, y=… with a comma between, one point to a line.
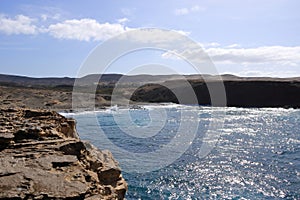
x=170, y=151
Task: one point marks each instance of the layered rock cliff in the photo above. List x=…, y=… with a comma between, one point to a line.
x=41, y=157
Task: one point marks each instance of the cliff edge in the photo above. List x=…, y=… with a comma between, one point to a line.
x=239, y=93
x=42, y=157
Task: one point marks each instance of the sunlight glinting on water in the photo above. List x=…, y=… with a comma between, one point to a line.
x=255, y=157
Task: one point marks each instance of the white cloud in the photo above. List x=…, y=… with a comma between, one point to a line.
x=280, y=61
x=81, y=29
x=19, y=25
x=267, y=54
x=85, y=30
x=282, y=55
x=210, y=44
x=164, y=39
x=123, y=20
x=233, y=46
x=186, y=33
x=185, y=11
x=76, y=29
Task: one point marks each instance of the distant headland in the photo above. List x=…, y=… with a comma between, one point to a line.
x=56, y=93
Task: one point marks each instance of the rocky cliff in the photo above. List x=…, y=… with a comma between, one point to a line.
x=239, y=93
x=56, y=93
x=41, y=157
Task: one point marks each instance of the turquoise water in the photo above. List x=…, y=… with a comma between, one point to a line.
x=255, y=156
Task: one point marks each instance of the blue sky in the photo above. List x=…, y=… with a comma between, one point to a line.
x=246, y=38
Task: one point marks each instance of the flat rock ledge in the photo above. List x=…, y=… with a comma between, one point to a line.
x=42, y=157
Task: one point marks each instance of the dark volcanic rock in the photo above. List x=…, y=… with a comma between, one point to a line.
x=239, y=93
x=41, y=157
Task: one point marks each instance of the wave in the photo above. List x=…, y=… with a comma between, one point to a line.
x=228, y=110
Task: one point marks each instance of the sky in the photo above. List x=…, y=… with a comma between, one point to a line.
x=54, y=37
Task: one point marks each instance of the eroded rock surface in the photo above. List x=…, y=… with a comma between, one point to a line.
x=41, y=157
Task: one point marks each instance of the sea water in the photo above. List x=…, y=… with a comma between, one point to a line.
x=255, y=153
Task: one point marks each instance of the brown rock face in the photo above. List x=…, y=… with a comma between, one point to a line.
x=41, y=157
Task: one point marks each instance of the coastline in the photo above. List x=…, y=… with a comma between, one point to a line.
x=56, y=93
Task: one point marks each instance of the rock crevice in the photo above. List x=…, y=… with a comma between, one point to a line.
x=42, y=157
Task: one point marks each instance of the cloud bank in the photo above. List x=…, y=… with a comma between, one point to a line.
x=281, y=55
x=75, y=29
x=88, y=29
x=265, y=54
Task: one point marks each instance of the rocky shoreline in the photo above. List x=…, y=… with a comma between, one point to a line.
x=238, y=93
x=56, y=93
x=42, y=157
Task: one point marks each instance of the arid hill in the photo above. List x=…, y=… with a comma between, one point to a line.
x=56, y=93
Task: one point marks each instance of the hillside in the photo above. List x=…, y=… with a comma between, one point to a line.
x=56, y=93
